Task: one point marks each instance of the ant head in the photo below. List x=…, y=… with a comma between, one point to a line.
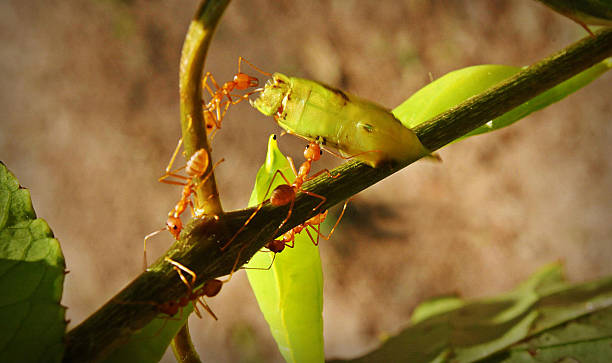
x=170, y=308
x=276, y=246
x=244, y=81
x=174, y=225
x=212, y=287
x=183, y=301
x=313, y=152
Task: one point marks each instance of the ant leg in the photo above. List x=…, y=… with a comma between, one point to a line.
x=226, y=106
x=292, y=240
x=175, y=173
x=234, y=268
x=272, y=262
x=290, y=160
x=178, y=147
x=324, y=171
x=144, y=261
x=262, y=268
x=217, y=109
x=163, y=178
x=178, y=266
x=323, y=199
x=219, y=117
x=277, y=172
x=169, y=171
x=210, y=121
x=336, y=224
x=240, y=59
x=328, y=236
x=349, y=156
x=309, y=235
x=214, y=82
x=240, y=98
x=582, y=24
x=205, y=306
x=287, y=217
x=331, y=151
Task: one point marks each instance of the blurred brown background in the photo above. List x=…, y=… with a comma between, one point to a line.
x=89, y=104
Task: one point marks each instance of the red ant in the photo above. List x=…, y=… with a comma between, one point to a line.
x=288, y=238
x=195, y=168
x=209, y=289
x=241, y=81
x=286, y=193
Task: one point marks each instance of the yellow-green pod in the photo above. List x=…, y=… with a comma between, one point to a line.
x=352, y=125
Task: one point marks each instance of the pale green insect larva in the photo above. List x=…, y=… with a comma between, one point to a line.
x=352, y=125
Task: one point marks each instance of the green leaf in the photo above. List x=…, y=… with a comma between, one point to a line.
x=435, y=306
x=478, y=329
x=586, y=339
x=449, y=91
x=150, y=344
x=290, y=293
x=31, y=280
x=455, y=87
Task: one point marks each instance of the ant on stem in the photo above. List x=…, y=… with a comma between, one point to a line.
x=209, y=289
x=196, y=167
x=286, y=193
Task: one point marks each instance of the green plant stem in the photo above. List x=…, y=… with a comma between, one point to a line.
x=193, y=56
x=183, y=347
x=199, y=248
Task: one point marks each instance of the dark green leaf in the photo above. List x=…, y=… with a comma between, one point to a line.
x=478, y=329
x=150, y=344
x=31, y=280
x=586, y=339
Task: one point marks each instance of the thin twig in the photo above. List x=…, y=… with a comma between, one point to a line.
x=193, y=56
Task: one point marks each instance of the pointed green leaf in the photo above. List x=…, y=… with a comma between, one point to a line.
x=31, y=280
x=479, y=329
x=290, y=293
x=449, y=91
x=457, y=86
